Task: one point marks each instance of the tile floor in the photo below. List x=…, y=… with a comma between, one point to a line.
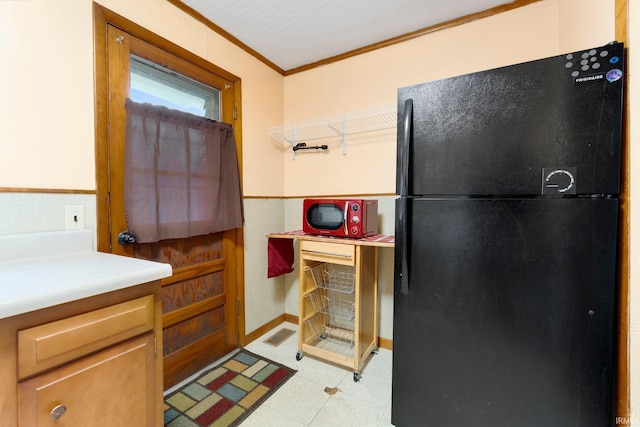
x=302, y=401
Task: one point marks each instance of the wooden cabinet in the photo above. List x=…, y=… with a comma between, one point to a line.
x=109, y=388
x=338, y=319
x=92, y=362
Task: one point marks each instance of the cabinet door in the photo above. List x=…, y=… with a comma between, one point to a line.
x=111, y=388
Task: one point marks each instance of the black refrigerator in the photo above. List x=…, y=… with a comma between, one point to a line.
x=506, y=244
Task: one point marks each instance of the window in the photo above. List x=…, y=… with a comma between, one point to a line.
x=158, y=85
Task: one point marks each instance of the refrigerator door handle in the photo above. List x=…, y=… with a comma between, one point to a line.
x=402, y=241
x=405, y=142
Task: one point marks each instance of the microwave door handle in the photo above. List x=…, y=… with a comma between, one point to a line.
x=346, y=214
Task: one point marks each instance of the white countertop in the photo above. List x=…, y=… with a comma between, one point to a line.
x=39, y=270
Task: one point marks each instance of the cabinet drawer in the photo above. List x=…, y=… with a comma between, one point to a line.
x=53, y=344
x=337, y=253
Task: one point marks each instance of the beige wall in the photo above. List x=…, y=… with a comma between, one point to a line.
x=47, y=50
x=46, y=86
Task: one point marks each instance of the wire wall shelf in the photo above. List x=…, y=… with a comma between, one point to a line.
x=365, y=121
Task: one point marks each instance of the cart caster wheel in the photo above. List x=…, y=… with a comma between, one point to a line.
x=323, y=336
x=299, y=355
x=356, y=377
x=374, y=351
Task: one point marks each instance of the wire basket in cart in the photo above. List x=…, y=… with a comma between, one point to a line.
x=344, y=336
x=341, y=313
x=318, y=300
x=334, y=277
x=320, y=330
x=335, y=284
x=316, y=325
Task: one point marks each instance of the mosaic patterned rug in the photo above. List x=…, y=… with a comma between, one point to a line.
x=226, y=394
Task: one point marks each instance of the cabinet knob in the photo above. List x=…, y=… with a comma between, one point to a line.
x=57, y=412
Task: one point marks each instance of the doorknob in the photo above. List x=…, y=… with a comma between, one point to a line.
x=126, y=238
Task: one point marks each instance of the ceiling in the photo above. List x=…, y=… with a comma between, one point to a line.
x=294, y=33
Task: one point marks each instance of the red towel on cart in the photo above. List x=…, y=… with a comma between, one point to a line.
x=280, y=256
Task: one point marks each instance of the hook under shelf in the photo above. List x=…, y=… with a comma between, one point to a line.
x=303, y=146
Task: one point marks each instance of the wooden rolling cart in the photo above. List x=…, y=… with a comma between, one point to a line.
x=338, y=318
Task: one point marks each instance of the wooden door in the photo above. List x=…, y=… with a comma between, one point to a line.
x=201, y=301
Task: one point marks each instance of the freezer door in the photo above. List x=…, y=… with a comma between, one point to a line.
x=508, y=318
x=543, y=126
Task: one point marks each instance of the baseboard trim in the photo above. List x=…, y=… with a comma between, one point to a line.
x=252, y=336
x=291, y=318
x=385, y=343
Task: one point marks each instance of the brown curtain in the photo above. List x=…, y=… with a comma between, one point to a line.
x=181, y=174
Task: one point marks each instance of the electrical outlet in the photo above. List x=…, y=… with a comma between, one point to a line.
x=73, y=217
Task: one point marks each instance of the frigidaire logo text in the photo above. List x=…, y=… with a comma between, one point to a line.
x=589, y=78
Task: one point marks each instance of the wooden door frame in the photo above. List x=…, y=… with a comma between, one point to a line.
x=102, y=17
x=623, y=351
